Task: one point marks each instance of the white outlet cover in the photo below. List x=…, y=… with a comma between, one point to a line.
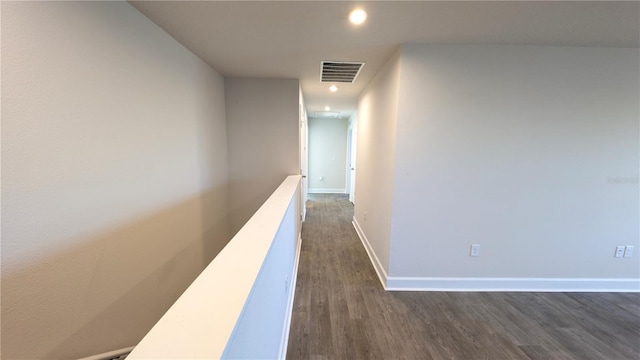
x=619, y=251
x=475, y=250
x=628, y=251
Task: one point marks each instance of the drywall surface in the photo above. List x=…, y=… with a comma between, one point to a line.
x=262, y=127
x=114, y=168
x=376, y=126
x=327, y=155
x=531, y=152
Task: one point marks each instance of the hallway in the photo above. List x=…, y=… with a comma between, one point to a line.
x=342, y=312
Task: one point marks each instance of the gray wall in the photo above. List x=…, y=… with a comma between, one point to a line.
x=327, y=155
x=377, y=117
x=262, y=128
x=531, y=152
x=114, y=168
x=513, y=148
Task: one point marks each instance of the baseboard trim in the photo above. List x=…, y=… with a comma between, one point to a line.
x=284, y=342
x=512, y=284
x=377, y=265
x=327, y=191
x=398, y=283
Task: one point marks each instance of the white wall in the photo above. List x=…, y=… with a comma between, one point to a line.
x=377, y=117
x=327, y=155
x=263, y=138
x=515, y=148
x=113, y=176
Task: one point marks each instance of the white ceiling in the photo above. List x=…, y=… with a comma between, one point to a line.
x=288, y=39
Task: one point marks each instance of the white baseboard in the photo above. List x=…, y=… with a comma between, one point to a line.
x=398, y=283
x=377, y=265
x=512, y=284
x=284, y=341
x=327, y=191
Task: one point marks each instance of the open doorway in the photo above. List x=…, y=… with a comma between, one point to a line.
x=328, y=155
x=332, y=153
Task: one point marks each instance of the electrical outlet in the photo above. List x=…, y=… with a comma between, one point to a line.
x=619, y=251
x=475, y=249
x=628, y=251
x=365, y=216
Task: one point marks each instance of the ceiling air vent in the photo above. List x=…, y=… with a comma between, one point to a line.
x=339, y=71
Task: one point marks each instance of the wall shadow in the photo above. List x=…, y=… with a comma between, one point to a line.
x=246, y=197
x=107, y=292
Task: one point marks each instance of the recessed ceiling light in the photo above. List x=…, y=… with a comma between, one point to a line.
x=326, y=108
x=333, y=88
x=357, y=16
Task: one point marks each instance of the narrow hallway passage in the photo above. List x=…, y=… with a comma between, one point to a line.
x=341, y=310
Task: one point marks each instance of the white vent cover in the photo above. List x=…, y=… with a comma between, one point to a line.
x=340, y=71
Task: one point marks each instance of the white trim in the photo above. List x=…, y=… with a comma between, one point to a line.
x=377, y=265
x=284, y=342
x=399, y=283
x=109, y=354
x=512, y=284
x=327, y=191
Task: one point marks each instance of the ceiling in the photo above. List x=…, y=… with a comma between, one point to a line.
x=289, y=39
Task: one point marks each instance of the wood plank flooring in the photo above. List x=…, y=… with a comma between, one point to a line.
x=342, y=312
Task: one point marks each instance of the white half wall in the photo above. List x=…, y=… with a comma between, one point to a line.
x=377, y=117
x=262, y=330
x=263, y=138
x=240, y=306
x=114, y=172
x=531, y=152
x=327, y=155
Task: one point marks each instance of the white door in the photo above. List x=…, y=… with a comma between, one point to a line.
x=352, y=167
x=304, y=160
x=347, y=186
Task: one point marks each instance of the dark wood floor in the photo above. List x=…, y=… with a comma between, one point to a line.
x=342, y=312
